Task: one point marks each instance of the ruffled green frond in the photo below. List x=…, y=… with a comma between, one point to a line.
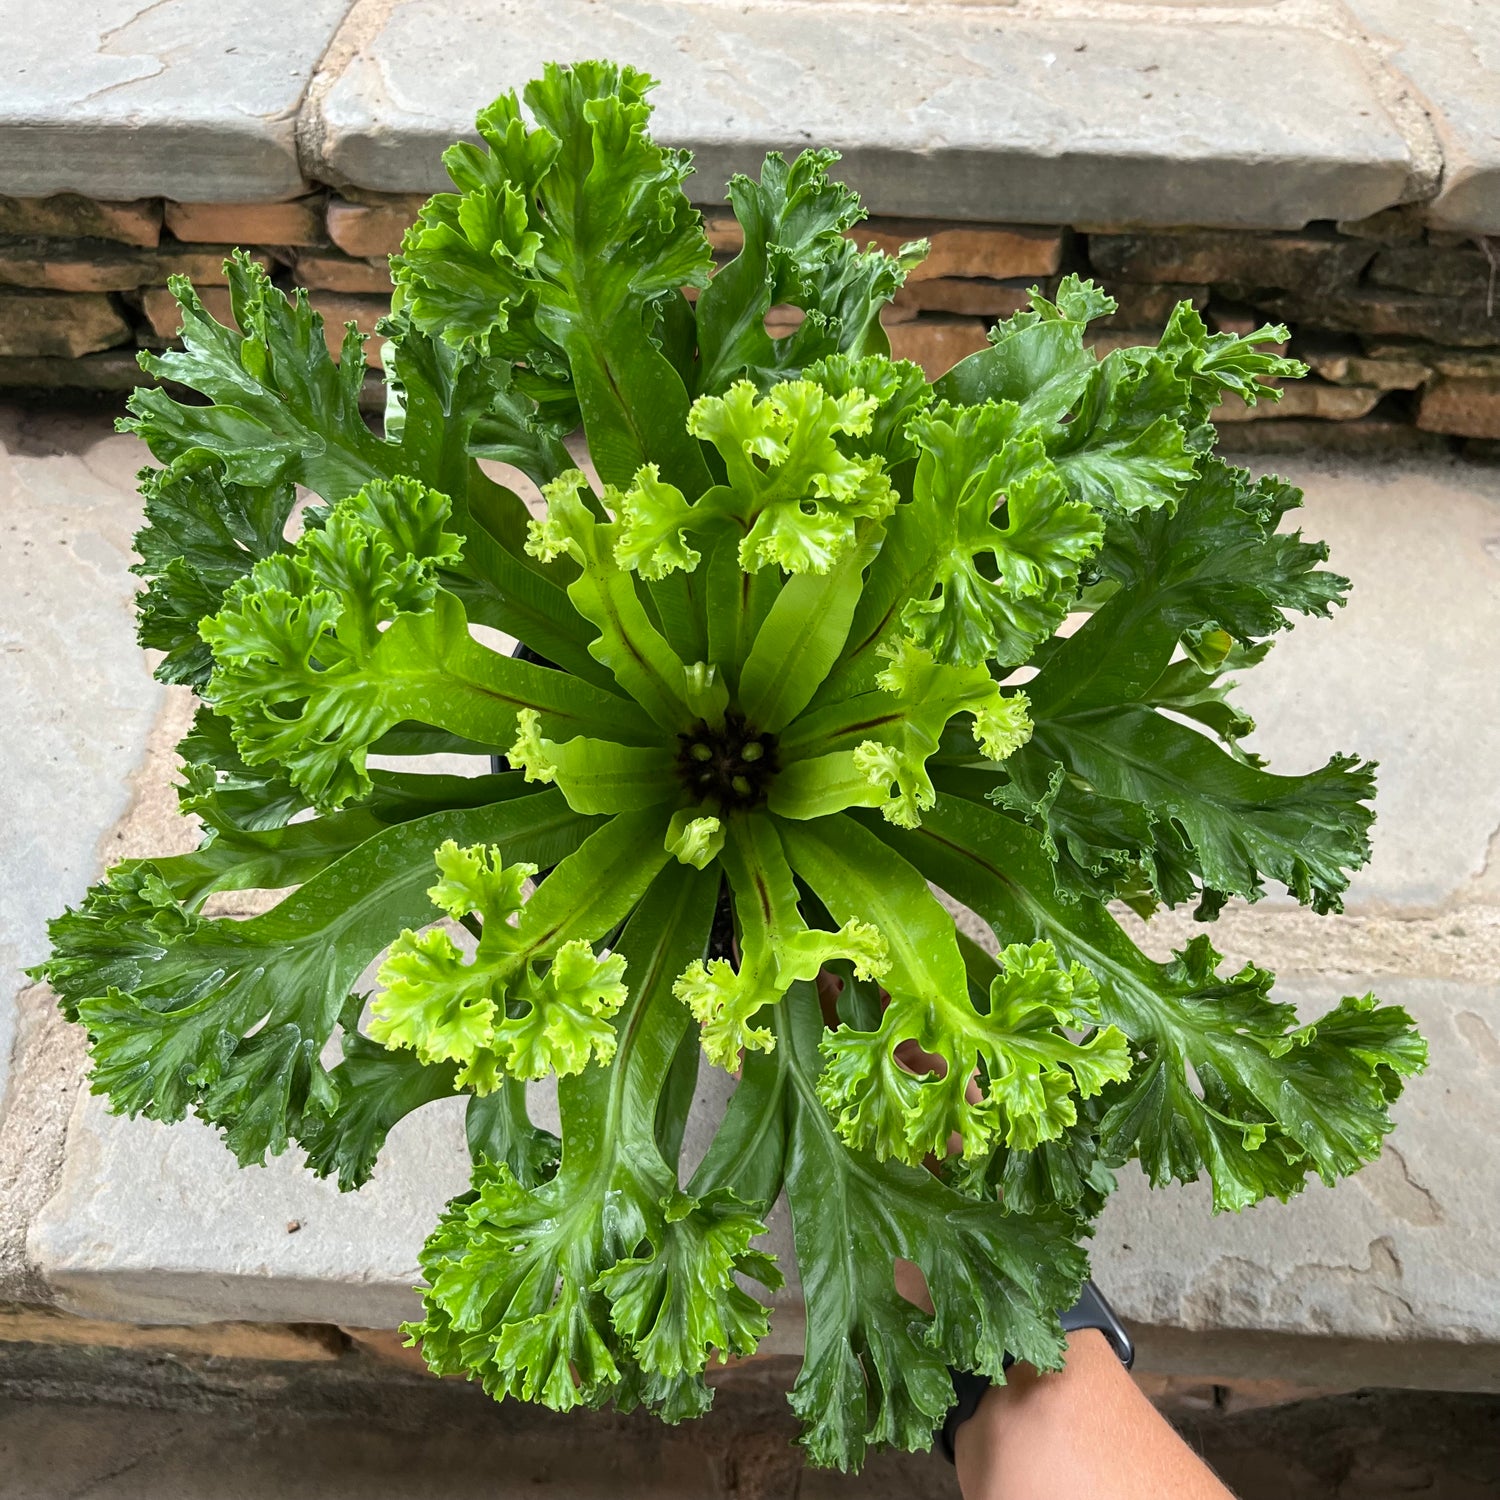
x=795, y=253
x=534, y=997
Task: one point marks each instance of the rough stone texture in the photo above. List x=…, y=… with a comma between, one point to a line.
x=1450, y=50
x=1305, y=398
x=339, y=308
x=443, y=1441
x=1370, y=439
x=299, y=223
x=58, y=326
x=196, y=1238
x=115, y=370
x=337, y=273
x=77, y=707
x=76, y=698
x=1468, y=407
x=1388, y=311
x=946, y=110
x=1391, y=226
x=970, y=298
x=1376, y=1282
x=994, y=250
x=190, y=98
x=1404, y=674
x=1312, y=262
x=937, y=344
x=1379, y=1281
x=1144, y=304
x=68, y=266
x=456, y=1447
x=1350, y=367
x=1461, y=363
x=68, y=216
x=314, y=1342
x=165, y=317
x=1456, y=272
x=49, y=1062
x=368, y=229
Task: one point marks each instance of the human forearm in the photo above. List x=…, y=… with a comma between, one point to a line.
x=1082, y=1433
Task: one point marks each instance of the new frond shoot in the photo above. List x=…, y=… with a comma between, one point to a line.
x=796, y=663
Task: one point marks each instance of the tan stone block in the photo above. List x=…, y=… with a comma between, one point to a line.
x=113, y=370
x=68, y=216
x=338, y=273
x=1465, y=364
x=1462, y=364
x=339, y=308
x=1351, y=367
x=165, y=318
x=994, y=251
x=937, y=344
x=66, y=266
x=59, y=325
x=1304, y=398
x=1233, y=317
x=296, y=223
x=1183, y=1394
x=201, y=267
x=386, y=1346
x=723, y=231
x=975, y=298
x=1304, y=261
x=1462, y=408
x=783, y=320
x=368, y=229
x=279, y=1341
x=1390, y=226
x=300, y=1342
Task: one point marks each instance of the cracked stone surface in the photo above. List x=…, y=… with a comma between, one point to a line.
x=1450, y=50
x=76, y=697
x=195, y=99
x=1386, y=1279
x=1092, y=111
x=1404, y=674
x=1387, y=1261
x=941, y=109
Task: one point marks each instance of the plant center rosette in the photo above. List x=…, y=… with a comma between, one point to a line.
x=802, y=641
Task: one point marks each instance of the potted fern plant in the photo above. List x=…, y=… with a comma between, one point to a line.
x=797, y=646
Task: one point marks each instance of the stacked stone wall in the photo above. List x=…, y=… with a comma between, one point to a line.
x=1399, y=322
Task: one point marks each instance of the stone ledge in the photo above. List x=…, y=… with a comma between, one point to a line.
x=311, y=1342
x=1385, y=1280
x=197, y=99
x=1098, y=109
x=1450, y=53
x=1123, y=120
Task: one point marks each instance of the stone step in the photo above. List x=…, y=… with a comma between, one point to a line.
x=1385, y=1281
x=1100, y=111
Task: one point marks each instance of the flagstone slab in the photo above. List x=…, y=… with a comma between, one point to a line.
x=1449, y=50
x=191, y=99
x=951, y=110
x=76, y=697
x=1385, y=1280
